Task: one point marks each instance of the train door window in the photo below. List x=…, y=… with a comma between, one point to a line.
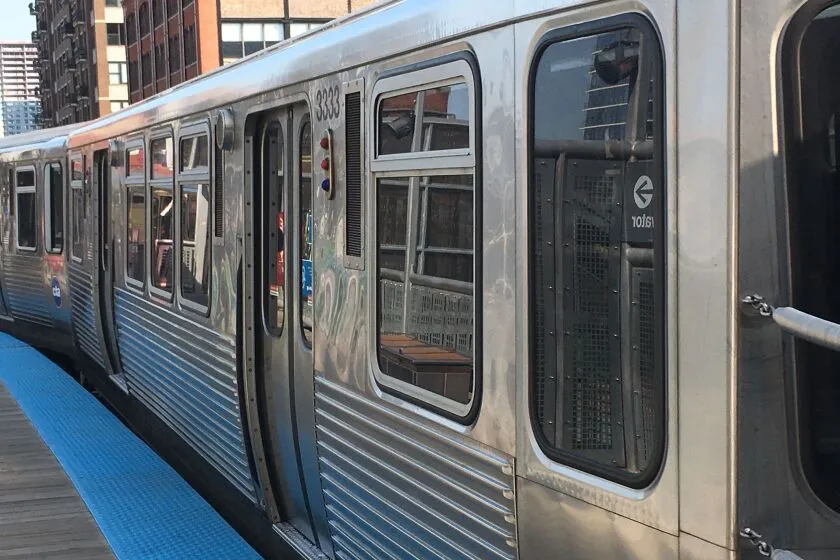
x=26, y=205
x=54, y=207
x=135, y=195
x=195, y=222
x=306, y=299
x=274, y=182
x=427, y=230
x=596, y=254
x=161, y=215
x=78, y=208
x=812, y=118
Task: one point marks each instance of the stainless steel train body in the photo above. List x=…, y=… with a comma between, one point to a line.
x=468, y=279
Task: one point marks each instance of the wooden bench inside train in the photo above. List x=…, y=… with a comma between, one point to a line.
x=65, y=495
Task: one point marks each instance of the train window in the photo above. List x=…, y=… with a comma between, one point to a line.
x=597, y=253
x=195, y=242
x=162, y=157
x=26, y=209
x=136, y=235
x=162, y=203
x=442, y=113
x=812, y=113
x=135, y=162
x=78, y=217
x=306, y=225
x=426, y=232
x=194, y=153
x=54, y=207
x=274, y=242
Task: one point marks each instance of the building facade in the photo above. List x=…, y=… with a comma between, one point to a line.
x=83, y=68
x=20, y=106
x=170, y=41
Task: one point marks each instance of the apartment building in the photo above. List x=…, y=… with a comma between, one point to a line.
x=20, y=106
x=83, y=67
x=170, y=41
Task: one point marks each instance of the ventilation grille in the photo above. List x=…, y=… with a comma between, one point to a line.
x=219, y=196
x=353, y=159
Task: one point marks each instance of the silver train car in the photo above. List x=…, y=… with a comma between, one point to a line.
x=486, y=280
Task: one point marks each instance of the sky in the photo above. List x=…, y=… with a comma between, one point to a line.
x=15, y=22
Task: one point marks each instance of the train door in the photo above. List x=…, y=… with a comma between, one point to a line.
x=105, y=264
x=282, y=223
x=5, y=225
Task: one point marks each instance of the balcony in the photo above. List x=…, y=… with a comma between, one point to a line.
x=34, y=36
x=32, y=10
x=68, y=29
x=78, y=17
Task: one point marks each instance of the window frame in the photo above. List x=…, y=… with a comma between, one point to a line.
x=459, y=67
x=194, y=176
x=128, y=182
x=160, y=295
x=77, y=185
x=48, y=225
x=646, y=477
x=33, y=190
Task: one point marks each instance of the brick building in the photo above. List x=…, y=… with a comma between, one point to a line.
x=170, y=41
x=82, y=59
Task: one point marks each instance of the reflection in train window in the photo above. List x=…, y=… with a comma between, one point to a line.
x=194, y=154
x=162, y=156
x=26, y=209
x=76, y=169
x=54, y=207
x=162, y=235
x=195, y=242
x=596, y=259
x=445, y=120
x=425, y=242
x=135, y=162
x=136, y=234
x=306, y=232
x=274, y=282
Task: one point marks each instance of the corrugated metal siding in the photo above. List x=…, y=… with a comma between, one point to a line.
x=23, y=280
x=395, y=489
x=85, y=324
x=186, y=374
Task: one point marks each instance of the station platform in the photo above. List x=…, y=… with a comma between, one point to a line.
x=77, y=483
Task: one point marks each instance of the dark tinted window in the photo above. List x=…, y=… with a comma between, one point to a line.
x=162, y=157
x=136, y=235
x=26, y=207
x=54, y=216
x=195, y=242
x=135, y=162
x=162, y=210
x=194, y=153
x=597, y=280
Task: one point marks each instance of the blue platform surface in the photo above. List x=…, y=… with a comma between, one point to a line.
x=144, y=509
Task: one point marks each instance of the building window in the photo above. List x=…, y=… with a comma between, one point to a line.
x=117, y=73
x=596, y=261
x=174, y=54
x=54, y=207
x=133, y=79
x=146, y=62
x=160, y=62
x=189, y=46
x=157, y=12
x=118, y=105
x=172, y=8
x=243, y=38
x=144, y=19
x=426, y=231
x=300, y=27
x=26, y=209
x=116, y=34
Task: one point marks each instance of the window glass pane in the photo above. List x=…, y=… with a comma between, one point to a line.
x=162, y=158
x=26, y=178
x=426, y=320
x=232, y=50
x=162, y=235
x=296, y=29
x=26, y=220
x=194, y=153
x=252, y=32
x=232, y=32
x=445, y=228
x=78, y=221
x=594, y=261
x=273, y=32
x=306, y=232
x=55, y=225
x=135, y=264
x=76, y=167
x=396, y=123
x=275, y=225
x=135, y=162
x=195, y=243
x=251, y=47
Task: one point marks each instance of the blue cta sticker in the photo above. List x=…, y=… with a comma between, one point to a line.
x=56, y=291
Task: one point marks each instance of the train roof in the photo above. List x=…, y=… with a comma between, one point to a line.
x=379, y=31
x=32, y=144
